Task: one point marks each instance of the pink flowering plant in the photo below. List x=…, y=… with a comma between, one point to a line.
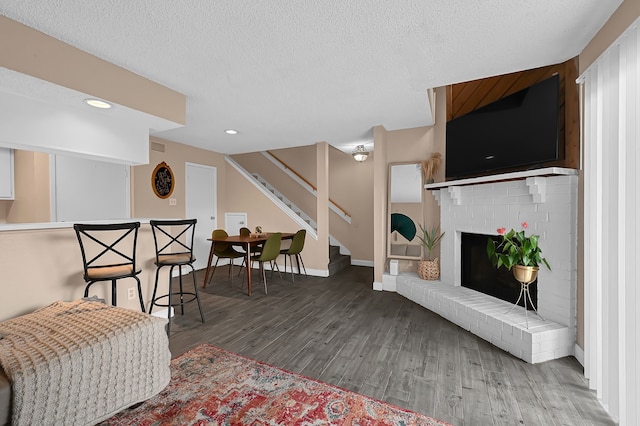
x=515, y=249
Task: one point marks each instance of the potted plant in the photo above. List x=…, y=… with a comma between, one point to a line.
x=428, y=268
x=518, y=252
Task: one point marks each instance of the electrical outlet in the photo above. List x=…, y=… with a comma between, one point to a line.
x=131, y=293
x=172, y=201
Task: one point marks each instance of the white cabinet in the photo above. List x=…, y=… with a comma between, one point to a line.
x=6, y=174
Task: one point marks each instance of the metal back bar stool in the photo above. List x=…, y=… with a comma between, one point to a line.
x=174, y=247
x=109, y=254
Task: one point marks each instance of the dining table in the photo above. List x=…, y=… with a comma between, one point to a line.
x=246, y=242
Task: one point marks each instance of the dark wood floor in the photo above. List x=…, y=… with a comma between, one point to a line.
x=380, y=344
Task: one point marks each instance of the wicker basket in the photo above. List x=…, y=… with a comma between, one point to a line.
x=429, y=269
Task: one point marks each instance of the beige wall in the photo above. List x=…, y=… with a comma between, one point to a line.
x=242, y=196
x=32, y=203
x=350, y=186
x=624, y=16
x=31, y=52
x=258, y=163
x=42, y=266
x=380, y=172
x=144, y=201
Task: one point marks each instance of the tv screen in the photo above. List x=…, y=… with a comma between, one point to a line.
x=518, y=130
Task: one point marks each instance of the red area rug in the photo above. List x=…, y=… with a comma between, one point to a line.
x=213, y=386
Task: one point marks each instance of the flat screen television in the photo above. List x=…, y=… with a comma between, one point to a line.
x=517, y=131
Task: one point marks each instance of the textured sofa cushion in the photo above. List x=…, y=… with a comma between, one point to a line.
x=5, y=399
x=81, y=362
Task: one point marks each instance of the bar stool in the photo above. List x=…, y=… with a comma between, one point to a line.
x=174, y=247
x=109, y=254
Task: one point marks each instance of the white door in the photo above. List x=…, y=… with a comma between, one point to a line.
x=234, y=221
x=201, y=203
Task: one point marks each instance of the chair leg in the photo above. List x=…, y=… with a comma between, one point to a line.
x=169, y=303
x=213, y=271
x=86, y=289
x=291, y=262
x=231, y=269
x=181, y=291
x=299, y=260
x=241, y=265
x=195, y=287
x=277, y=268
x=155, y=289
x=140, y=293
x=114, y=293
x=264, y=277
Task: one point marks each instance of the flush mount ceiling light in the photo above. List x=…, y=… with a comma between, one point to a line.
x=97, y=103
x=231, y=132
x=360, y=153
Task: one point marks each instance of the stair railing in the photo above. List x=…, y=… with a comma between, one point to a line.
x=303, y=224
x=340, y=211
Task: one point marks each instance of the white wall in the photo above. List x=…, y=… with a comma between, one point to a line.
x=38, y=126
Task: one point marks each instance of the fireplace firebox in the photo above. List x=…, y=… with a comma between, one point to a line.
x=479, y=274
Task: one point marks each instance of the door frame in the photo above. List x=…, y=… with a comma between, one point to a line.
x=187, y=194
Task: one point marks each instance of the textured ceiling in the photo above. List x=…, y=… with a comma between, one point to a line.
x=289, y=73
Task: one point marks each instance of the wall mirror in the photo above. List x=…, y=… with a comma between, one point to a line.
x=404, y=209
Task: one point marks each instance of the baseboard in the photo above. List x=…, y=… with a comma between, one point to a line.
x=377, y=286
x=313, y=272
x=162, y=313
x=578, y=353
x=356, y=262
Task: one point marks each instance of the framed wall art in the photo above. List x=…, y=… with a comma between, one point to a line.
x=162, y=180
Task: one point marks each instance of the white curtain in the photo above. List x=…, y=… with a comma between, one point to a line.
x=611, y=211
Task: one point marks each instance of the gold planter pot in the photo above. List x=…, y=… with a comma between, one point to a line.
x=525, y=274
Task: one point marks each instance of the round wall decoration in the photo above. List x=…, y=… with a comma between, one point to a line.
x=162, y=180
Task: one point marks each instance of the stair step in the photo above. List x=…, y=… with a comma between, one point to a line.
x=334, y=252
x=338, y=264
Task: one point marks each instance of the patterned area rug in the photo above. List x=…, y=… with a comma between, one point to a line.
x=213, y=386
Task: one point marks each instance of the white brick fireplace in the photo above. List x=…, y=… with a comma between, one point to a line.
x=547, y=200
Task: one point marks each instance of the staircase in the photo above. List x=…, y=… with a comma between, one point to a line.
x=339, y=256
x=342, y=250
x=337, y=261
x=285, y=200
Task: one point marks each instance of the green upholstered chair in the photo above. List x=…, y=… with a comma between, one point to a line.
x=173, y=241
x=224, y=251
x=270, y=252
x=297, y=244
x=109, y=254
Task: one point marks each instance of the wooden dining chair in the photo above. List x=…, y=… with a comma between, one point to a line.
x=270, y=252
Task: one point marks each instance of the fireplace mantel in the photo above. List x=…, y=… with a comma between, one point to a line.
x=547, y=171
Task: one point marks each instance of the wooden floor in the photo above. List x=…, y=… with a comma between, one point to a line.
x=380, y=344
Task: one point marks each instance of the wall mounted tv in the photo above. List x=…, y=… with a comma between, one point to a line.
x=517, y=131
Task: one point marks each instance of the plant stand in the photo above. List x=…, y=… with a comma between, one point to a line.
x=525, y=276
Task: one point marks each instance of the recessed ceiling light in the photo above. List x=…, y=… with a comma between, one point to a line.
x=97, y=103
x=231, y=132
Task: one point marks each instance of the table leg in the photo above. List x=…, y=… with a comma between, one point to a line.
x=206, y=274
x=248, y=265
